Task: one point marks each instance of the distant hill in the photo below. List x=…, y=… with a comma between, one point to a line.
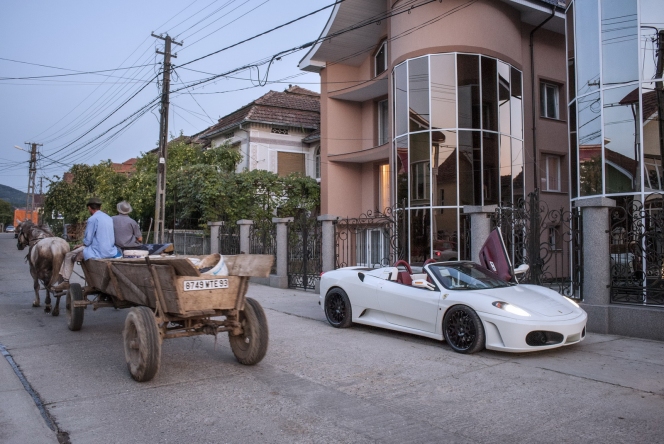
x=15, y=197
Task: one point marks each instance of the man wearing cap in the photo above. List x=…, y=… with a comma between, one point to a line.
x=98, y=243
x=126, y=230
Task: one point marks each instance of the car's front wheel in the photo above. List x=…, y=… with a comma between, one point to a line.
x=463, y=330
x=337, y=308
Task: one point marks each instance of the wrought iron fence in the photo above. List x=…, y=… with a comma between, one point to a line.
x=262, y=240
x=229, y=238
x=637, y=251
x=304, y=252
x=548, y=240
x=373, y=239
x=189, y=242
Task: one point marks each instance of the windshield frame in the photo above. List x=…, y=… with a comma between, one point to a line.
x=490, y=281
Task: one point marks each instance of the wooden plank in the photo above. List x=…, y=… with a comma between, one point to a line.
x=114, y=287
x=258, y=265
x=166, y=276
x=129, y=276
x=96, y=272
x=214, y=299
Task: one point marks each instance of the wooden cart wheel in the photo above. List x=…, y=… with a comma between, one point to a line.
x=74, y=314
x=142, y=344
x=250, y=347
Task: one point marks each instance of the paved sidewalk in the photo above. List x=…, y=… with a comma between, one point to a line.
x=20, y=419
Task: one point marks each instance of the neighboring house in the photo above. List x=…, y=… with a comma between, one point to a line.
x=429, y=107
x=277, y=132
x=126, y=168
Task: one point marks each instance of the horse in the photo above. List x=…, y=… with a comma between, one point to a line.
x=45, y=256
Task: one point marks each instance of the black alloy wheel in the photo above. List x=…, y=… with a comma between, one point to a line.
x=337, y=308
x=463, y=330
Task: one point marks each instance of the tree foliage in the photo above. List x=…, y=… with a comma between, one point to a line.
x=201, y=186
x=6, y=213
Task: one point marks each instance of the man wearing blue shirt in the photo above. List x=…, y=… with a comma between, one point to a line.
x=98, y=243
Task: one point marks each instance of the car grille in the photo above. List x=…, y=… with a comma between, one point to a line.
x=540, y=338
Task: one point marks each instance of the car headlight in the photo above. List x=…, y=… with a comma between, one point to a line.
x=511, y=308
x=571, y=301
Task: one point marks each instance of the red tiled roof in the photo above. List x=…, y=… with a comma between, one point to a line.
x=313, y=137
x=126, y=167
x=295, y=106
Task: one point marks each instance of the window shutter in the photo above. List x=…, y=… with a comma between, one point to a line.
x=288, y=163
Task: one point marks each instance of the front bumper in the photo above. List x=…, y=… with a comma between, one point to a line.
x=509, y=335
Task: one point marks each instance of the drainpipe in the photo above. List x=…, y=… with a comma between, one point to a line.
x=532, y=93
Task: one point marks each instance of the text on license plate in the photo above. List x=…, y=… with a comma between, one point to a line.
x=207, y=284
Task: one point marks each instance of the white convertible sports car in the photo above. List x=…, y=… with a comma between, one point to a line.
x=464, y=303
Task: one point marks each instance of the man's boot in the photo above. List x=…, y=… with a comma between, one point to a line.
x=61, y=285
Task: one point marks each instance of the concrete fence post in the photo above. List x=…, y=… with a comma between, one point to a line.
x=480, y=227
x=596, y=261
x=328, y=248
x=280, y=280
x=245, y=227
x=214, y=236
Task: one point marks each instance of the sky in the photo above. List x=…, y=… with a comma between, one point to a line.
x=67, y=113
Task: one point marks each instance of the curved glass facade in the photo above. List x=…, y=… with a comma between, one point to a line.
x=616, y=96
x=458, y=140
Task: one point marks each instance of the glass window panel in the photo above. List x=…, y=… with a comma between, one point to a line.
x=383, y=187
x=418, y=93
x=401, y=99
x=518, y=176
x=468, y=80
x=420, y=235
x=516, y=119
x=444, y=169
x=420, y=170
x=621, y=139
x=504, y=97
x=505, y=170
x=571, y=82
x=620, y=59
x=383, y=124
x=490, y=170
x=652, y=22
x=590, y=145
x=489, y=95
x=653, y=131
x=401, y=171
x=470, y=167
x=443, y=91
x=573, y=149
x=445, y=234
x=587, y=46
x=381, y=59
x=553, y=173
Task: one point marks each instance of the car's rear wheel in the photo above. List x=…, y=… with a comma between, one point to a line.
x=463, y=330
x=337, y=308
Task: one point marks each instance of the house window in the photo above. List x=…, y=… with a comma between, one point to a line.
x=419, y=173
x=317, y=161
x=552, y=173
x=549, y=100
x=383, y=187
x=228, y=135
x=383, y=125
x=372, y=248
x=554, y=239
x=279, y=130
x=380, y=59
x=288, y=163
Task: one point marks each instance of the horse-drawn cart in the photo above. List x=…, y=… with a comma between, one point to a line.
x=170, y=298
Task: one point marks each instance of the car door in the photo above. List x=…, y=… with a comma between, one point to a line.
x=409, y=306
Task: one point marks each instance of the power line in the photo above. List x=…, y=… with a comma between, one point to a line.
x=76, y=73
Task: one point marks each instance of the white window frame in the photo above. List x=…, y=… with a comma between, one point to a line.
x=363, y=242
x=558, y=162
x=383, y=123
x=544, y=100
x=317, y=163
x=380, y=69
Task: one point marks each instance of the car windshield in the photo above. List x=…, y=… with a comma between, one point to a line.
x=466, y=276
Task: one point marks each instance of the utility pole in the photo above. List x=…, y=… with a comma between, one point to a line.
x=160, y=203
x=30, y=204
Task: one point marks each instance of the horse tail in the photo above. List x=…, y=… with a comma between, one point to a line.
x=58, y=255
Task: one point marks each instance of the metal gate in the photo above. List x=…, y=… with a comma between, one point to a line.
x=372, y=240
x=637, y=251
x=304, y=252
x=262, y=240
x=549, y=241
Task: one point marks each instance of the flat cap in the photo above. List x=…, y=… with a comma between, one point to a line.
x=94, y=201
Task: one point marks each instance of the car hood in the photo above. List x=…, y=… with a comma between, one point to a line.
x=532, y=298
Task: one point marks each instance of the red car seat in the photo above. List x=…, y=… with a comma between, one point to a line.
x=403, y=277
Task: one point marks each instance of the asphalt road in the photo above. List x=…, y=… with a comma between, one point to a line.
x=317, y=384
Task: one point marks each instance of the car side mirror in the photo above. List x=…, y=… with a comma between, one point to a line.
x=521, y=269
x=423, y=283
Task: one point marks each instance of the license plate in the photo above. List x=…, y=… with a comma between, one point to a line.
x=206, y=284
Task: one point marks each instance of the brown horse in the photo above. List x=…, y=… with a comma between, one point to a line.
x=45, y=256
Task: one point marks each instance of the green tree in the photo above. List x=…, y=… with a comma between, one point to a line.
x=6, y=213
